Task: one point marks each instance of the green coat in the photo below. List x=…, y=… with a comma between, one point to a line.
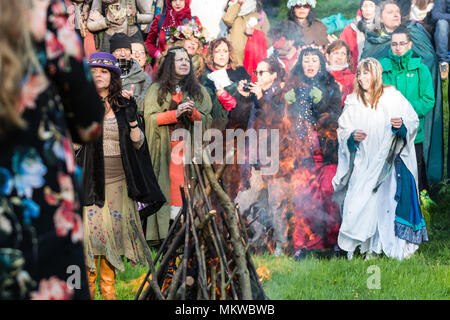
x=413, y=79
x=159, y=145
x=377, y=46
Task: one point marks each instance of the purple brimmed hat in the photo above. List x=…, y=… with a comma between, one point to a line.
x=104, y=60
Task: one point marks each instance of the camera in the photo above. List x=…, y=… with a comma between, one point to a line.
x=247, y=87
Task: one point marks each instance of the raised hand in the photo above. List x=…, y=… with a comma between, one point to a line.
x=396, y=122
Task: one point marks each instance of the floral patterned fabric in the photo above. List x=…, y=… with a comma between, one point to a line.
x=111, y=231
x=41, y=232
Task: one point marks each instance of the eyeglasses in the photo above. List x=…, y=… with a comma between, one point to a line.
x=303, y=6
x=139, y=52
x=259, y=73
x=400, y=44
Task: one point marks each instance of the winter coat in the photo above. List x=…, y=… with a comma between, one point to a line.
x=141, y=81
x=377, y=46
x=316, y=32
x=255, y=52
x=413, y=79
x=158, y=139
x=41, y=231
x=230, y=109
x=140, y=9
x=237, y=25
x=137, y=165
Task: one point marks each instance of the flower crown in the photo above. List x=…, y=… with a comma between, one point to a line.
x=186, y=31
x=293, y=3
x=312, y=46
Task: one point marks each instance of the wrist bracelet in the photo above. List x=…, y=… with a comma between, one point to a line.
x=135, y=126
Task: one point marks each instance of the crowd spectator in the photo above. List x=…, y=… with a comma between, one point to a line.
x=340, y=66
x=110, y=17
x=355, y=33
x=117, y=172
x=133, y=77
x=404, y=70
x=286, y=43
x=176, y=100
x=237, y=14
x=314, y=107
x=41, y=100
x=380, y=208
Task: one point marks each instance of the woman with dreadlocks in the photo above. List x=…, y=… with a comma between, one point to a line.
x=376, y=177
x=315, y=105
x=175, y=101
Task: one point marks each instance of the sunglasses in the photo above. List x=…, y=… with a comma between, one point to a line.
x=260, y=73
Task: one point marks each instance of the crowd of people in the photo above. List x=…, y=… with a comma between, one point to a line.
x=90, y=170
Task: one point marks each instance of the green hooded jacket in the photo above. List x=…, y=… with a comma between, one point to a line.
x=159, y=145
x=413, y=79
x=377, y=46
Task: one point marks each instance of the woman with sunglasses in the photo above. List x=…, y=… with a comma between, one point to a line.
x=302, y=13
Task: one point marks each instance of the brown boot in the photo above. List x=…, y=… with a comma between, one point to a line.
x=107, y=279
x=92, y=276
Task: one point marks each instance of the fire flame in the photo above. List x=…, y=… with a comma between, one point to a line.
x=263, y=273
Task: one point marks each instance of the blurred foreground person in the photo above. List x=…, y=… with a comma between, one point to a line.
x=376, y=179
x=44, y=93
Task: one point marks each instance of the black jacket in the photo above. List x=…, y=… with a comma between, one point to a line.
x=141, y=181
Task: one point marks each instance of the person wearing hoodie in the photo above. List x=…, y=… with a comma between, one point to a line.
x=355, y=33
x=404, y=70
x=133, y=77
x=377, y=46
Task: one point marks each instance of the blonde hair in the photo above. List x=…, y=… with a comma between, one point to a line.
x=16, y=58
x=376, y=89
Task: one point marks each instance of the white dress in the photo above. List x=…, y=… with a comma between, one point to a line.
x=368, y=217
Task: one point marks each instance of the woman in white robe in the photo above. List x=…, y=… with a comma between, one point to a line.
x=371, y=129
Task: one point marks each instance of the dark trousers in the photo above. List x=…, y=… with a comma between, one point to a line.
x=421, y=168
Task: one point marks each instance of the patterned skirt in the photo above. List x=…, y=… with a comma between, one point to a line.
x=112, y=231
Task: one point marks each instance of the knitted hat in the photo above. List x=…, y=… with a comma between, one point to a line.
x=118, y=41
x=293, y=3
x=104, y=60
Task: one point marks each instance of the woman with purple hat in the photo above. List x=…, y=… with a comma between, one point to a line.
x=118, y=172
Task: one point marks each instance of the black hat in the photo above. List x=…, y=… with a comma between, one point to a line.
x=118, y=41
x=377, y=2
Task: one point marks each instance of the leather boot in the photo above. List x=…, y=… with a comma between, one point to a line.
x=92, y=276
x=107, y=279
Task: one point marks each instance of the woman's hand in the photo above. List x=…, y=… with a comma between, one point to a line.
x=256, y=90
x=128, y=93
x=187, y=106
x=396, y=122
x=359, y=135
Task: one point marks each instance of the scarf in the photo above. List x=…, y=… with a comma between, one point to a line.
x=174, y=18
x=336, y=68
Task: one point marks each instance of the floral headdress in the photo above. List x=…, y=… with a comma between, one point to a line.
x=187, y=30
x=293, y=3
x=312, y=46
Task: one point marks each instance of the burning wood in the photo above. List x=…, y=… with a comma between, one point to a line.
x=206, y=253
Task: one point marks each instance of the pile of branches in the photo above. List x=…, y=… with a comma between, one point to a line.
x=205, y=255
